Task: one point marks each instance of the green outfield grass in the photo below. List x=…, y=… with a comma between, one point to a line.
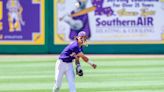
x=111, y=75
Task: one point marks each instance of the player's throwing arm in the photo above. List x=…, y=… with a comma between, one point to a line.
x=86, y=59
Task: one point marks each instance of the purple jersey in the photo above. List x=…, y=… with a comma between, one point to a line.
x=86, y=28
x=68, y=53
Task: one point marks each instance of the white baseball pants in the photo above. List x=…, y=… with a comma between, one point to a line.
x=61, y=69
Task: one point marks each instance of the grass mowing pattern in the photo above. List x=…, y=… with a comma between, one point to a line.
x=111, y=75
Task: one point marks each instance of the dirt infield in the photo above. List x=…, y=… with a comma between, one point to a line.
x=92, y=56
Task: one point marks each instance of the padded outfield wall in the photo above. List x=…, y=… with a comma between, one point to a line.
x=41, y=32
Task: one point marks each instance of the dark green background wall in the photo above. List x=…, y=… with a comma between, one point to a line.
x=50, y=48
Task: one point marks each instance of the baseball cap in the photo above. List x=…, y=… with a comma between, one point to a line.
x=82, y=33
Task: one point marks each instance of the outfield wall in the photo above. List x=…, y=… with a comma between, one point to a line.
x=46, y=43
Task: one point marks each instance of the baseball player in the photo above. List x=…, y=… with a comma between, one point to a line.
x=64, y=64
x=78, y=23
x=14, y=15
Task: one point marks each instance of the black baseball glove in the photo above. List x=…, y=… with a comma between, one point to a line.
x=79, y=71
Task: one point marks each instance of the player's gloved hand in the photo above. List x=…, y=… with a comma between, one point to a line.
x=79, y=71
